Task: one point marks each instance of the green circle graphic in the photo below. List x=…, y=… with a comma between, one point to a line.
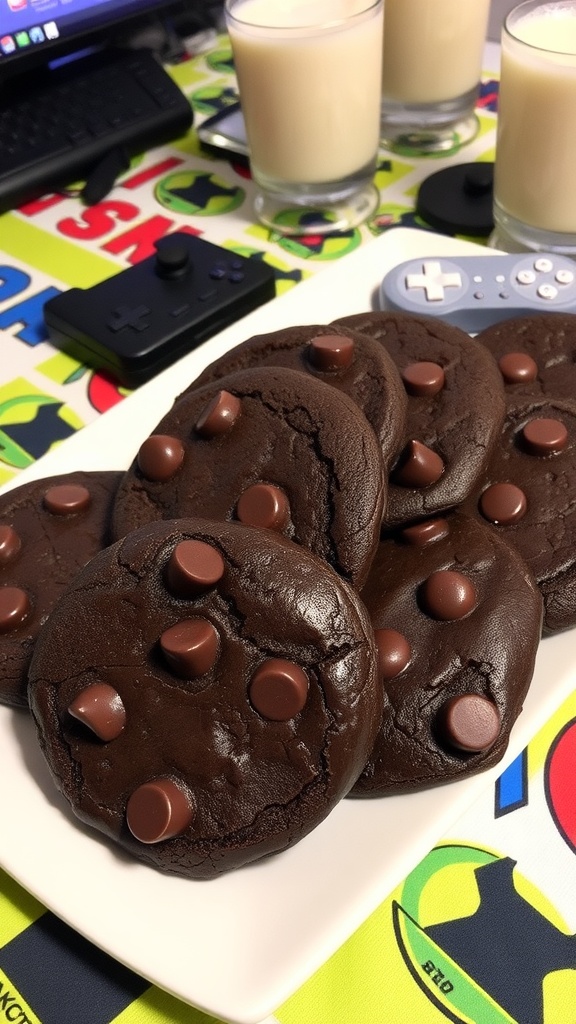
x=198, y=193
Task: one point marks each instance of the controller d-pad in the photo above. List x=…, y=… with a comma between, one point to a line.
x=434, y=280
x=129, y=316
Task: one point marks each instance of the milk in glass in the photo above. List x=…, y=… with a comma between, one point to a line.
x=432, y=48
x=536, y=143
x=310, y=87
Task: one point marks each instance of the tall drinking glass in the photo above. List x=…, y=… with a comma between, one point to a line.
x=309, y=75
x=535, y=167
x=433, y=52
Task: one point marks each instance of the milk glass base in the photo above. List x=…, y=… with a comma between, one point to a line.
x=317, y=209
x=423, y=129
x=512, y=235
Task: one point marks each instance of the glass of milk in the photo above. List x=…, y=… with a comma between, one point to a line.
x=433, y=52
x=535, y=167
x=309, y=75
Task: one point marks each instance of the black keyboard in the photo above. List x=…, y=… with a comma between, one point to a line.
x=58, y=128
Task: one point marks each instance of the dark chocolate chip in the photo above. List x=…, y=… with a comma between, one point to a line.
x=545, y=436
x=448, y=595
x=219, y=416
x=263, y=505
x=15, y=607
x=160, y=457
x=190, y=647
x=518, y=368
x=470, y=723
x=100, y=708
x=10, y=544
x=394, y=652
x=158, y=810
x=423, y=379
x=67, y=499
x=421, y=534
x=419, y=466
x=278, y=689
x=503, y=504
x=193, y=567
x=331, y=352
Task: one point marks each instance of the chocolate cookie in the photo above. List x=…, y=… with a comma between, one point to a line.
x=347, y=360
x=536, y=355
x=455, y=411
x=205, y=694
x=457, y=619
x=49, y=529
x=269, y=447
x=528, y=495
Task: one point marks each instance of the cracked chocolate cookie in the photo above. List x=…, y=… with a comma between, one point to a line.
x=269, y=447
x=528, y=496
x=535, y=354
x=49, y=529
x=457, y=620
x=348, y=360
x=454, y=415
x=205, y=694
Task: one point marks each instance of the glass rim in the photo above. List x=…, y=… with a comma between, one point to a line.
x=515, y=15
x=370, y=5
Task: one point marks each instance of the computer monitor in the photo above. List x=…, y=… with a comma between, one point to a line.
x=38, y=32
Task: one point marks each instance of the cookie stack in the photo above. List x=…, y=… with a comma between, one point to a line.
x=323, y=575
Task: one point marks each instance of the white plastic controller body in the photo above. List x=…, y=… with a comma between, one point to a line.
x=474, y=292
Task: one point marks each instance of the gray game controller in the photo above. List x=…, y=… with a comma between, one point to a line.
x=474, y=292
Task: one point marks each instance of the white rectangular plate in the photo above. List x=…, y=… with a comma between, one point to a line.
x=238, y=946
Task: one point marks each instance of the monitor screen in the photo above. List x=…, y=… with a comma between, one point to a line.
x=41, y=29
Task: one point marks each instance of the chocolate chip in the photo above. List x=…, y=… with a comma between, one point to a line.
x=10, y=544
x=160, y=457
x=503, y=504
x=15, y=607
x=419, y=466
x=421, y=534
x=278, y=689
x=394, y=652
x=100, y=708
x=331, y=352
x=423, y=379
x=263, y=505
x=470, y=722
x=158, y=810
x=518, y=368
x=219, y=416
x=193, y=567
x=190, y=647
x=448, y=595
x=67, y=499
x=545, y=436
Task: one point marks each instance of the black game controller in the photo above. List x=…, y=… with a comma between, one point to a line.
x=137, y=322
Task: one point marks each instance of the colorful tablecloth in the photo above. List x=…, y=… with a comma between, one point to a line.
x=482, y=931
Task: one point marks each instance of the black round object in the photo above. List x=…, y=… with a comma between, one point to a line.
x=458, y=200
x=172, y=258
